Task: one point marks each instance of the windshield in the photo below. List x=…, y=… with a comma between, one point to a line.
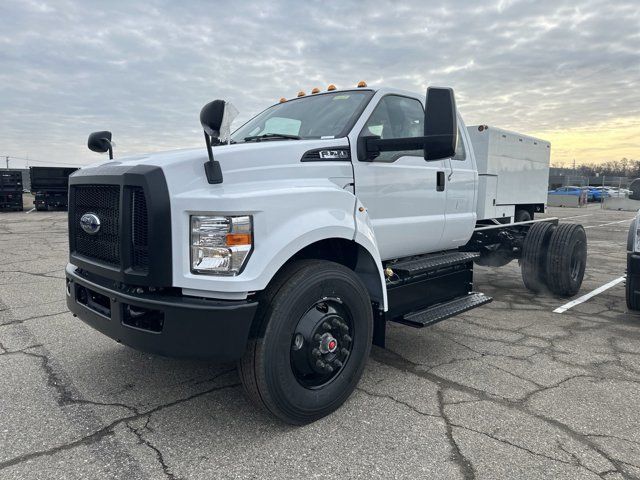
x=328, y=115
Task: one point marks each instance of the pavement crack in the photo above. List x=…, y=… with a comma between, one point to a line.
x=392, y=359
x=392, y=398
x=108, y=430
x=465, y=466
x=65, y=396
x=35, y=317
x=143, y=441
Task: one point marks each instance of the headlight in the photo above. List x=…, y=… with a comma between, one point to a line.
x=220, y=245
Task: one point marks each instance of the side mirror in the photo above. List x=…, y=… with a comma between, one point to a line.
x=211, y=117
x=440, y=130
x=440, y=124
x=101, y=142
x=216, y=118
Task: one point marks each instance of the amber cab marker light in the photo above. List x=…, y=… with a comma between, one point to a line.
x=331, y=88
x=315, y=90
x=362, y=84
x=234, y=239
x=282, y=100
x=301, y=93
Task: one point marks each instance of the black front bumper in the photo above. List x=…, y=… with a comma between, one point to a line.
x=169, y=324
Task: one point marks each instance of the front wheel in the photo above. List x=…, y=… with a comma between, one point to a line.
x=313, y=342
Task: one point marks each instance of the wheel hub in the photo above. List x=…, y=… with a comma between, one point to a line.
x=321, y=343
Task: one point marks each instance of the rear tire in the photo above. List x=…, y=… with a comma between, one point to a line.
x=308, y=301
x=533, y=260
x=566, y=259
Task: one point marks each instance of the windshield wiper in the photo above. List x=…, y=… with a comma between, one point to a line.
x=267, y=136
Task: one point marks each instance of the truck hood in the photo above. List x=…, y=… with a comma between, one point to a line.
x=243, y=165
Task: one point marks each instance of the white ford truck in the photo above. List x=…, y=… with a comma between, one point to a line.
x=287, y=245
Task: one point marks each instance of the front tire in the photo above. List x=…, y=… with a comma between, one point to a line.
x=314, y=337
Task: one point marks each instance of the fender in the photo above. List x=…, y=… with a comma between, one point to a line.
x=317, y=211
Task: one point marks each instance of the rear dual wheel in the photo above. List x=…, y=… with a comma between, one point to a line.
x=554, y=257
x=314, y=339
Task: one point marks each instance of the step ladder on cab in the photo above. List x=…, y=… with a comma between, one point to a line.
x=426, y=289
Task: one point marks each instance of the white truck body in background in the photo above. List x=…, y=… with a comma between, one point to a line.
x=503, y=159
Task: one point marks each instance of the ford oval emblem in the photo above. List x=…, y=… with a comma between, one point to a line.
x=90, y=223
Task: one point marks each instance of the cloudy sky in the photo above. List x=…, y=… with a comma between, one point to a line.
x=568, y=71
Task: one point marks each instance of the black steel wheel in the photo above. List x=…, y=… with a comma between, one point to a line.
x=566, y=259
x=534, y=256
x=312, y=343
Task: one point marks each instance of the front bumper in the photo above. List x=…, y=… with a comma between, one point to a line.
x=163, y=324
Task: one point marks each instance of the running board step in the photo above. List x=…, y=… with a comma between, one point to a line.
x=432, y=262
x=444, y=310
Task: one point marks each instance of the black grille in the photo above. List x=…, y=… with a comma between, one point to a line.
x=133, y=245
x=103, y=201
x=140, y=229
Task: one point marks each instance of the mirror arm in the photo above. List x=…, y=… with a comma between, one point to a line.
x=110, y=151
x=212, y=167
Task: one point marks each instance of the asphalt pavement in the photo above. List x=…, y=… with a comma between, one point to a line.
x=509, y=390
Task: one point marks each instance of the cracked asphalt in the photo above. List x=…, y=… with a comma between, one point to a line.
x=508, y=390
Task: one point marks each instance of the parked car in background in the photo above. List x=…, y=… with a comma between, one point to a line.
x=572, y=190
x=599, y=193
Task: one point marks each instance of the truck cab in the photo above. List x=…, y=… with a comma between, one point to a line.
x=288, y=244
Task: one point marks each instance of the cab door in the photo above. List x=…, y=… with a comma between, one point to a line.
x=405, y=196
x=461, y=188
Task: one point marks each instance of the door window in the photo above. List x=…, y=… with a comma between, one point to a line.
x=396, y=117
x=461, y=153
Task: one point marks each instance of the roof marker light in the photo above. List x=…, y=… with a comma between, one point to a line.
x=282, y=100
x=362, y=84
x=315, y=90
x=301, y=93
x=331, y=88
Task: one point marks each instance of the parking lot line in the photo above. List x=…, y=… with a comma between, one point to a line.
x=610, y=223
x=586, y=297
x=578, y=216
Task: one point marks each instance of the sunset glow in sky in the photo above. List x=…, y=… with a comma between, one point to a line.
x=567, y=71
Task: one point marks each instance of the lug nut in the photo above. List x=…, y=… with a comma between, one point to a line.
x=344, y=327
x=347, y=338
x=316, y=353
x=320, y=364
x=337, y=363
x=344, y=352
x=326, y=326
x=317, y=337
x=328, y=368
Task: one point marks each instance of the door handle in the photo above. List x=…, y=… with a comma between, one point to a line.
x=440, y=181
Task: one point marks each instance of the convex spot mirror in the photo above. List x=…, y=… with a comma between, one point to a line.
x=216, y=118
x=100, y=142
x=440, y=130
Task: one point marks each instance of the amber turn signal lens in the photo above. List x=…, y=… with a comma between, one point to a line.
x=282, y=100
x=301, y=93
x=234, y=239
x=331, y=87
x=362, y=84
x=315, y=90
